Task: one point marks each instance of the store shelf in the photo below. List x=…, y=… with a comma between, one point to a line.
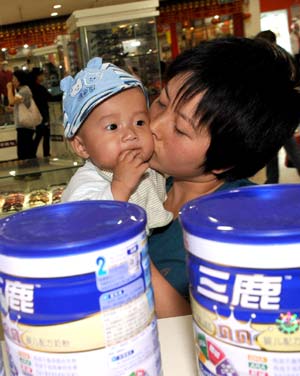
x=12, y=169
x=36, y=182
x=130, y=43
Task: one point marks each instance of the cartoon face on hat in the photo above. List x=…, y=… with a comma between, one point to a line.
x=91, y=86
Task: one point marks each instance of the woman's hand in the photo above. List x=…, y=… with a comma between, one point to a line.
x=9, y=86
x=13, y=98
x=18, y=99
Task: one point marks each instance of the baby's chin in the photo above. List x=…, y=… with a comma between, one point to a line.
x=145, y=156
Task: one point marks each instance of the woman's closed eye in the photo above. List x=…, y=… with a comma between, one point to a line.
x=160, y=103
x=179, y=131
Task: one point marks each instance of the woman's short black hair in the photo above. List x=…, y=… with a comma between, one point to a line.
x=22, y=76
x=36, y=72
x=251, y=101
x=267, y=35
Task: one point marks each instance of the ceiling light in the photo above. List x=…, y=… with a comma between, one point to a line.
x=57, y=6
x=54, y=14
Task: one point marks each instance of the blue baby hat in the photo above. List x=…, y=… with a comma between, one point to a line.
x=91, y=86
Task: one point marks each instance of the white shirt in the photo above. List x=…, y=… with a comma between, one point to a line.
x=91, y=183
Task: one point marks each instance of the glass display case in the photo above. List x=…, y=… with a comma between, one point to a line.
x=49, y=59
x=124, y=35
x=59, y=146
x=35, y=182
x=46, y=58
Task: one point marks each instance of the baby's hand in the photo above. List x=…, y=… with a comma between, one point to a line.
x=127, y=174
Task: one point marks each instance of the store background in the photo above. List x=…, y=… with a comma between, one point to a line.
x=138, y=35
x=63, y=43
x=30, y=36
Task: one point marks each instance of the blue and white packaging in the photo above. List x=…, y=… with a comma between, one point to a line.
x=243, y=259
x=75, y=291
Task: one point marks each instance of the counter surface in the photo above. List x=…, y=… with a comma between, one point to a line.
x=177, y=346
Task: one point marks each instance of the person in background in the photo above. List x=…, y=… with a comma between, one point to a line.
x=295, y=38
x=291, y=147
x=228, y=106
x=41, y=97
x=107, y=123
x=18, y=91
x=5, y=77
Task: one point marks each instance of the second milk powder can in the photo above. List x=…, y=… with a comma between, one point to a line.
x=75, y=291
x=243, y=251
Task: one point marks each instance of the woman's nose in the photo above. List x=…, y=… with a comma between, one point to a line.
x=155, y=126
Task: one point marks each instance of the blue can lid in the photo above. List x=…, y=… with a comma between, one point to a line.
x=70, y=228
x=265, y=214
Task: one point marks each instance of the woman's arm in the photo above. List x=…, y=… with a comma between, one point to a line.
x=168, y=302
x=12, y=99
x=10, y=94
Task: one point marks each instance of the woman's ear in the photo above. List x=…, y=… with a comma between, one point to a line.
x=78, y=146
x=219, y=171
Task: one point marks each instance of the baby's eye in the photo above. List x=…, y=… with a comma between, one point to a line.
x=111, y=127
x=140, y=123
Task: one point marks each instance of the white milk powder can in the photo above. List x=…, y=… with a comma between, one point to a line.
x=243, y=252
x=75, y=290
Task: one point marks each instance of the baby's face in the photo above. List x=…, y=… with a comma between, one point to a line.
x=120, y=123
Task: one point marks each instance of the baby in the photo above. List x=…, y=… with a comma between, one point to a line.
x=107, y=123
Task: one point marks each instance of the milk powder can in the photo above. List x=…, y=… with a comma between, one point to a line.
x=243, y=250
x=75, y=290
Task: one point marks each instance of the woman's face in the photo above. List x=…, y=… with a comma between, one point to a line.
x=179, y=147
x=40, y=78
x=15, y=81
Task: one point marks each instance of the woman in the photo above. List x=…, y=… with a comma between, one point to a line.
x=19, y=92
x=227, y=108
x=41, y=97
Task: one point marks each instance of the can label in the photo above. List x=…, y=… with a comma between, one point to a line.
x=107, y=313
x=246, y=321
x=245, y=307
x=138, y=356
x=217, y=358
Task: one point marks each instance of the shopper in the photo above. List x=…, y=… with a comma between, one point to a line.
x=41, y=97
x=106, y=120
x=227, y=107
x=19, y=92
x=5, y=77
x=291, y=147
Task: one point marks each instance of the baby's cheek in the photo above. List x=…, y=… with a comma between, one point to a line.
x=150, y=145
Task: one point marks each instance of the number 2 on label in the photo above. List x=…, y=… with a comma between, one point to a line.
x=101, y=263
